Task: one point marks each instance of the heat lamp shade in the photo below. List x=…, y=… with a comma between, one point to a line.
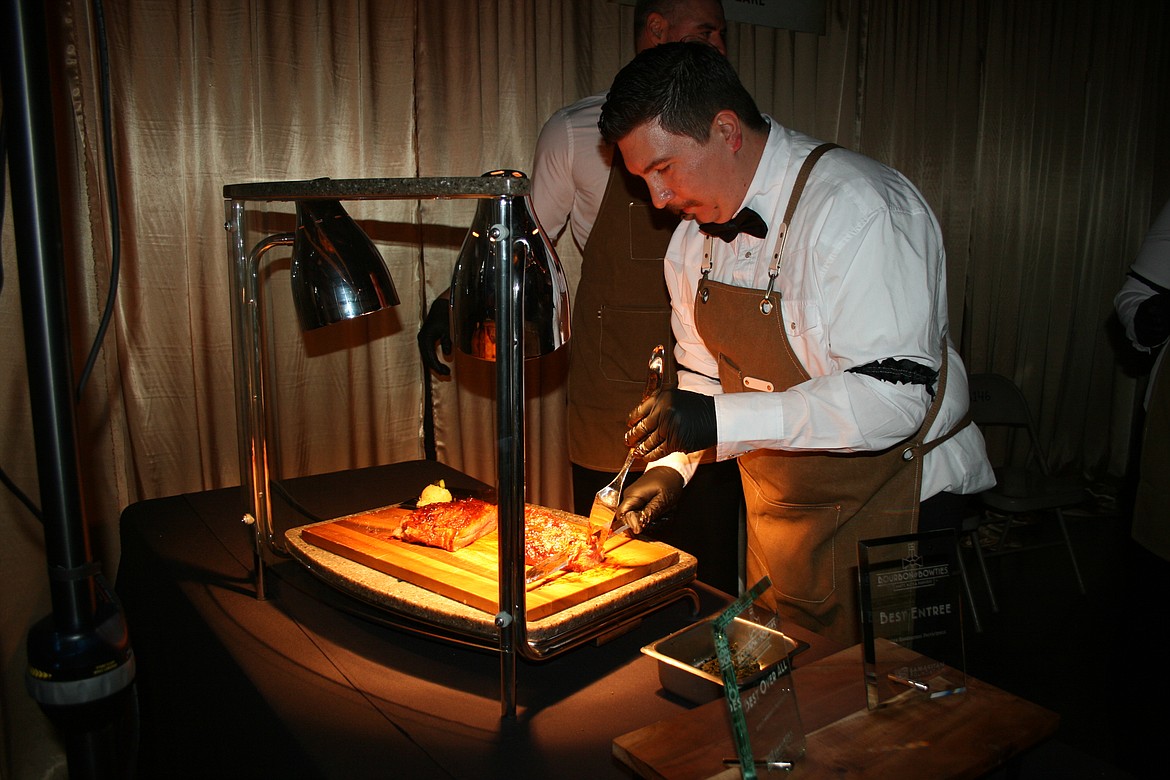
x=337, y=272
x=501, y=224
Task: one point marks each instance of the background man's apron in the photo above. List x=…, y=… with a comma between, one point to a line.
x=621, y=311
x=806, y=512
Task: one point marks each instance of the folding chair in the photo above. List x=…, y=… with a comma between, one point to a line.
x=1025, y=485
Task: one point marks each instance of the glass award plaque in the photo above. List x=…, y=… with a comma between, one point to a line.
x=911, y=617
x=755, y=662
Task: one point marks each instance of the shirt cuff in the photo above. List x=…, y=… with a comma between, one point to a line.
x=684, y=463
x=746, y=422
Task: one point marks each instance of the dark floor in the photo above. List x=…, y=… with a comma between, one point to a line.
x=1080, y=655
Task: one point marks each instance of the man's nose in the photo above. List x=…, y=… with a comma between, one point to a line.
x=660, y=194
x=662, y=198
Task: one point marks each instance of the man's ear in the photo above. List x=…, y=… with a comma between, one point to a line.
x=728, y=129
x=657, y=26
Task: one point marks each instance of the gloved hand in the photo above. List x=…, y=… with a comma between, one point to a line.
x=436, y=330
x=672, y=421
x=649, y=497
x=1151, y=321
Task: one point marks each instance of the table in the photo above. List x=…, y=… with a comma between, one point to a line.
x=963, y=735
x=309, y=683
x=312, y=683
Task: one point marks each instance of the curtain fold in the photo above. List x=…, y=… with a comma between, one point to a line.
x=1034, y=128
x=1071, y=98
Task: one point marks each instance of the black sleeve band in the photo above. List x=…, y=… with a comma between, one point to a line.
x=1148, y=283
x=900, y=372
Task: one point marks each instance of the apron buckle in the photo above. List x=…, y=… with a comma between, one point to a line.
x=766, y=303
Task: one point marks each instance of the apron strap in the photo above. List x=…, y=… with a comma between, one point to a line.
x=963, y=422
x=916, y=449
x=797, y=190
x=802, y=179
x=781, y=231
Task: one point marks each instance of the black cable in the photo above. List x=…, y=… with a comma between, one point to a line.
x=279, y=489
x=4, y=478
x=112, y=188
x=3, y=178
x=115, y=224
x=16, y=491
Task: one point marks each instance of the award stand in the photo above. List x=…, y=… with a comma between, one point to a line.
x=755, y=662
x=911, y=617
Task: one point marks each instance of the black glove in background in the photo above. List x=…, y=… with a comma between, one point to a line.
x=672, y=421
x=436, y=330
x=650, y=497
x=1151, y=321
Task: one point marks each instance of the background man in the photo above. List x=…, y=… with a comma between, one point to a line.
x=812, y=346
x=621, y=311
x=1143, y=306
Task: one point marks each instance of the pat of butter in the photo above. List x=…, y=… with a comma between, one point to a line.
x=434, y=494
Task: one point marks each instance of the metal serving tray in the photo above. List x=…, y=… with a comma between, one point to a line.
x=681, y=655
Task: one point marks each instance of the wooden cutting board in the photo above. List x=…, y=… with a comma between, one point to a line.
x=471, y=575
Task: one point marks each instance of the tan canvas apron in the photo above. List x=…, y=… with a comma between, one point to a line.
x=806, y=512
x=620, y=312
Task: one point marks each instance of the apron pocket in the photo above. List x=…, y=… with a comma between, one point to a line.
x=794, y=543
x=627, y=337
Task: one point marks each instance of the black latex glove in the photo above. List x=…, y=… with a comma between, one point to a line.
x=650, y=497
x=436, y=330
x=672, y=421
x=1151, y=321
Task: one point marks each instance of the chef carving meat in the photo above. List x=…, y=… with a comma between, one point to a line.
x=811, y=333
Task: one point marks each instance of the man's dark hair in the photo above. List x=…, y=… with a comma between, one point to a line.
x=683, y=86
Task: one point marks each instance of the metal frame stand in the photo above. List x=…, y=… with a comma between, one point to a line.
x=251, y=391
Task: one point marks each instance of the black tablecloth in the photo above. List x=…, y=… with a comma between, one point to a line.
x=310, y=683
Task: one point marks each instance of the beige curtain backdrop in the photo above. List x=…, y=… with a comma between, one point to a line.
x=1032, y=127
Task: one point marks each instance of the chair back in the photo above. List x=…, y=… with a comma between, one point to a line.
x=1025, y=483
x=997, y=401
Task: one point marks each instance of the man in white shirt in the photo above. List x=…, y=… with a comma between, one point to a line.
x=812, y=346
x=1143, y=306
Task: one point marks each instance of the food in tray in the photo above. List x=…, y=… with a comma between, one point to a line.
x=745, y=666
x=448, y=525
x=454, y=524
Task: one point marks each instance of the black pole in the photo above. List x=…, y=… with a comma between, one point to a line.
x=80, y=664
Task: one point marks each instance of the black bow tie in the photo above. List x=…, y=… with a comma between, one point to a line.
x=746, y=221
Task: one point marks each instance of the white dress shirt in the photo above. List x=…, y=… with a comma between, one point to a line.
x=1153, y=264
x=863, y=279
x=570, y=170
